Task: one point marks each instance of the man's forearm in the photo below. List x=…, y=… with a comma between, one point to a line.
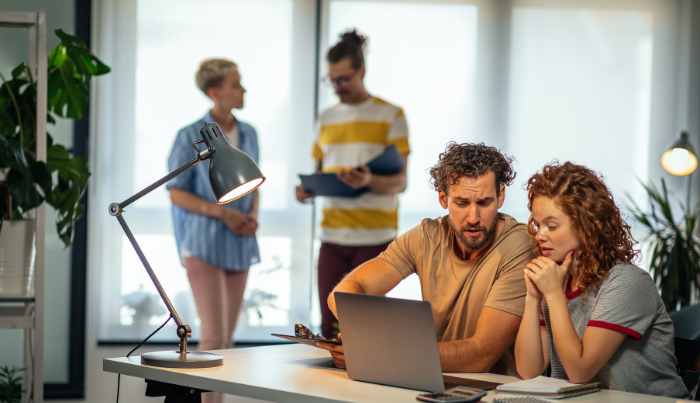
x=374, y=277
x=466, y=355
x=388, y=184
x=495, y=332
x=344, y=286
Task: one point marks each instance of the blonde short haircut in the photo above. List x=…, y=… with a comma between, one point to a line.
x=211, y=72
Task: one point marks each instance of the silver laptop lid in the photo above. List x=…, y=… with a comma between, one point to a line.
x=390, y=341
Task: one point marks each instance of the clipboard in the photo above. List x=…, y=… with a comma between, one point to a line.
x=387, y=163
x=308, y=342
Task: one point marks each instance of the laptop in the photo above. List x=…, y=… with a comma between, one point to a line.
x=392, y=342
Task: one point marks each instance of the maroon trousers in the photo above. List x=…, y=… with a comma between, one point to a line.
x=334, y=263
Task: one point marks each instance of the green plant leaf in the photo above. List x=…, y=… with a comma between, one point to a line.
x=87, y=61
x=17, y=71
x=12, y=154
x=674, y=252
x=91, y=65
x=68, y=199
x=67, y=39
x=77, y=168
x=59, y=54
x=11, y=88
x=71, y=66
x=21, y=187
x=42, y=176
x=10, y=385
x=68, y=98
x=57, y=157
x=65, y=233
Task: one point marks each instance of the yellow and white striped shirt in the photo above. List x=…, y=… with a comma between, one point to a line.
x=350, y=135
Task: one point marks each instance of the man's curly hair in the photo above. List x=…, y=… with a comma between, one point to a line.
x=582, y=195
x=471, y=161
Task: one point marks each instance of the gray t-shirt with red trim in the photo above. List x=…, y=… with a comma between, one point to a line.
x=627, y=302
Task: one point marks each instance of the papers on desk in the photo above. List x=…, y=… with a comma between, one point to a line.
x=328, y=184
x=550, y=388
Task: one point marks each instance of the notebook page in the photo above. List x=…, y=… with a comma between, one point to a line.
x=541, y=384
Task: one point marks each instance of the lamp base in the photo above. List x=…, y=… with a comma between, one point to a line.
x=173, y=359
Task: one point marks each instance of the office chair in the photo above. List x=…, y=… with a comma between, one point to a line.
x=688, y=356
x=686, y=322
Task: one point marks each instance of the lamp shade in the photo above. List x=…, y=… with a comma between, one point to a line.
x=232, y=173
x=680, y=157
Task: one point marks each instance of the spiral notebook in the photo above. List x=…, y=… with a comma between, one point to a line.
x=549, y=388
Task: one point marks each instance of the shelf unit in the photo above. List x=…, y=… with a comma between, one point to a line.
x=28, y=313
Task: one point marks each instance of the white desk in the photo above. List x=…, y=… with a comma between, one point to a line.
x=300, y=373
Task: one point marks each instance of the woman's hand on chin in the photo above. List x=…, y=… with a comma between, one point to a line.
x=532, y=290
x=547, y=275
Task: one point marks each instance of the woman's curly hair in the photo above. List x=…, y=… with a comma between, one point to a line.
x=582, y=195
x=471, y=161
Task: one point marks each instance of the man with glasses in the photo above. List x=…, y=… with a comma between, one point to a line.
x=350, y=134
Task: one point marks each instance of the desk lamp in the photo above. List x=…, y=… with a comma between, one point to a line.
x=232, y=174
x=680, y=159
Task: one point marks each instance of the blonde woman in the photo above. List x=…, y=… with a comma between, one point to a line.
x=216, y=243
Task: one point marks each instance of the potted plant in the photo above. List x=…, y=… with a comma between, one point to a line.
x=674, y=250
x=25, y=183
x=10, y=385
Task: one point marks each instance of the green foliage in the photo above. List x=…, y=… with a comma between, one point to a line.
x=10, y=385
x=674, y=252
x=60, y=181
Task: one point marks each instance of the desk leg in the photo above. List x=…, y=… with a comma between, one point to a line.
x=173, y=393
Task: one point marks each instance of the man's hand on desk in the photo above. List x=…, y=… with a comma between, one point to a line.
x=336, y=352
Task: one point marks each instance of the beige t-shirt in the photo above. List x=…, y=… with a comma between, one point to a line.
x=459, y=289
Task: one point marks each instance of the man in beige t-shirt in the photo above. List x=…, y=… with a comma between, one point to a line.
x=470, y=263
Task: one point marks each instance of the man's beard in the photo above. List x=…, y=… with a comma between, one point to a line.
x=473, y=244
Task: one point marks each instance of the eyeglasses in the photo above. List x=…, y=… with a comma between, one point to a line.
x=340, y=81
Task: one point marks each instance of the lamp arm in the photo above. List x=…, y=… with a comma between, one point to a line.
x=116, y=209
x=160, y=182
x=151, y=274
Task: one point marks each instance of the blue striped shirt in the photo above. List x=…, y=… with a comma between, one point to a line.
x=206, y=238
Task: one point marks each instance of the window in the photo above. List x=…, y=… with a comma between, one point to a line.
x=538, y=79
x=581, y=88
x=268, y=43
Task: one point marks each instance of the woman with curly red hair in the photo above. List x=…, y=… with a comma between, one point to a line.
x=589, y=311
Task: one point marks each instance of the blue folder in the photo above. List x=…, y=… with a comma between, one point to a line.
x=328, y=184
